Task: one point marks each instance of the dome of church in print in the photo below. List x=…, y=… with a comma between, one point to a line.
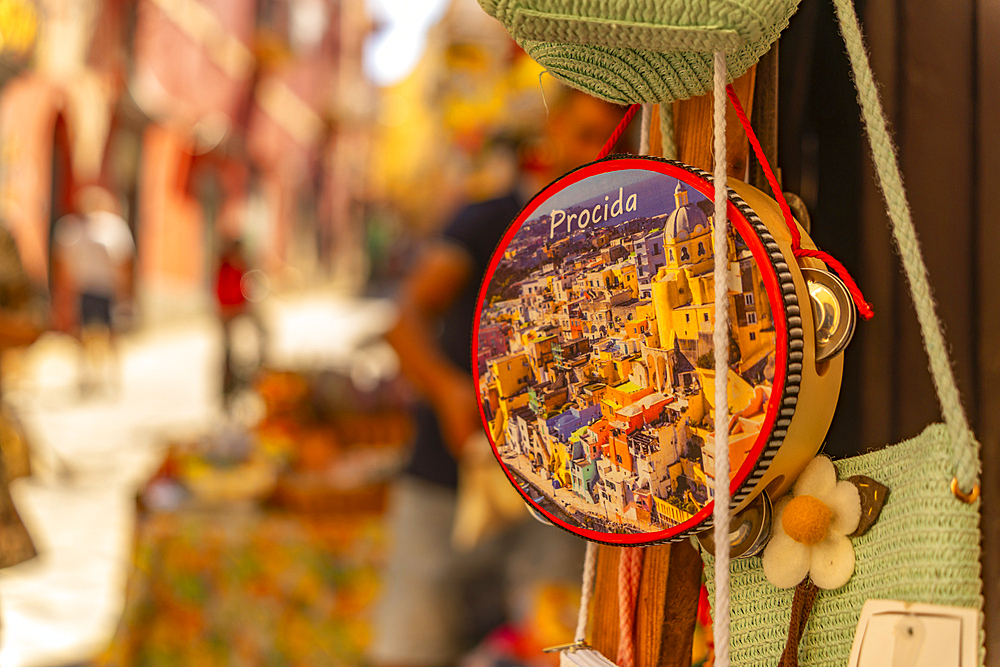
x=688, y=218
x=595, y=368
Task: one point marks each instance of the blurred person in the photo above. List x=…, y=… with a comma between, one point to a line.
x=424, y=613
x=95, y=251
x=231, y=285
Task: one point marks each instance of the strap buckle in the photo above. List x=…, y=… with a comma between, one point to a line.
x=969, y=497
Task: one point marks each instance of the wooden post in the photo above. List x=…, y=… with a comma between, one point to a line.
x=604, y=611
x=671, y=574
x=765, y=118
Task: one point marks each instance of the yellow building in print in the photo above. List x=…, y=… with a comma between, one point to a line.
x=512, y=373
x=684, y=290
x=595, y=357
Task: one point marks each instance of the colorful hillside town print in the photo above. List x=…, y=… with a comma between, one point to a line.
x=594, y=345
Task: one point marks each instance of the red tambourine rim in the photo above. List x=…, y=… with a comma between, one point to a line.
x=701, y=182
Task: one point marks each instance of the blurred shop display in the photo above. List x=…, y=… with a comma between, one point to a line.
x=252, y=589
x=261, y=542
x=321, y=445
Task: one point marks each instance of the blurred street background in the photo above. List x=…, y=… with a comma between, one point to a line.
x=92, y=459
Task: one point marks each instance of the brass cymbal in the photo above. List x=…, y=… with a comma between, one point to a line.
x=833, y=312
x=749, y=530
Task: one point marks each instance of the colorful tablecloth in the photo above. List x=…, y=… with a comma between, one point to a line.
x=247, y=589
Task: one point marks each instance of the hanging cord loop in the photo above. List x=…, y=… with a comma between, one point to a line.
x=667, y=130
x=619, y=131
x=586, y=593
x=864, y=308
x=646, y=122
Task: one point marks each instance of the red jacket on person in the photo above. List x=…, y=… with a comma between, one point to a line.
x=228, y=289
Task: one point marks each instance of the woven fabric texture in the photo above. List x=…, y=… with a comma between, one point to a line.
x=923, y=548
x=629, y=52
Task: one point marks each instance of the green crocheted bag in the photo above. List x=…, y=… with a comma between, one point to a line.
x=923, y=548
x=925, y=545
x=632, y=51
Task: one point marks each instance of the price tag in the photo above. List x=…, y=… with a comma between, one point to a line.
x=908, y=634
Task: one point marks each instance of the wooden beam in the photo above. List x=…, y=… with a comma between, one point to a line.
x=604, y=612
x=765, y=118
x=668, y=605
x=693, y=129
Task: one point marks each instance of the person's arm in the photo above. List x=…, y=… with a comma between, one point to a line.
x=441, y=274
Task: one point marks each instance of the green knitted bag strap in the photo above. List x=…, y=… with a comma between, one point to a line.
x=965, y=448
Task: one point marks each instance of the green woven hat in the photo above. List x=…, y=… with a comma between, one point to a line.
x=632, y=51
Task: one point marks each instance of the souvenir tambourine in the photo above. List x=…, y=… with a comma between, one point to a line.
x=596, y=373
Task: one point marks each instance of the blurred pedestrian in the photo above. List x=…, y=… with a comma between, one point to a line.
x=424, y=612
x=234, y=284
x=95, y=248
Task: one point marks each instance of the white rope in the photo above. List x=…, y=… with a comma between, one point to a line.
x=541, y=88
x=720, y=340
x=587, y=592
x=644, y=128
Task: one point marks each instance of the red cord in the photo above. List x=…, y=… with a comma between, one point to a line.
x=629, y=573
x=619, y=131
x=775, y=187
x=864, y=308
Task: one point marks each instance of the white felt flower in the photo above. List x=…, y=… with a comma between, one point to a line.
x=810, y=528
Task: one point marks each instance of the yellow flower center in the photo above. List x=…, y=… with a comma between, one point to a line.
x=806, y=520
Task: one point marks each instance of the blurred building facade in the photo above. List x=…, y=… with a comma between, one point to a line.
x=207, y=119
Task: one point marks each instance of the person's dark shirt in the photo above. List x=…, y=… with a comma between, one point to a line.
x=477, y=229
